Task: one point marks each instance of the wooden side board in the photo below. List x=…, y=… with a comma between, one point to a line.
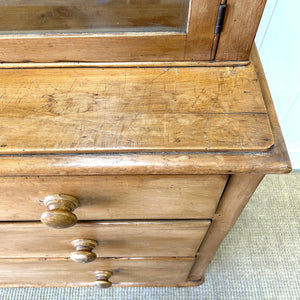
x=238, y=192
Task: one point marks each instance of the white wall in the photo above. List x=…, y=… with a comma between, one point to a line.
x=278, y=43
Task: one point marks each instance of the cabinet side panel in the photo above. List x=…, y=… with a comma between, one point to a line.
x=238, y=192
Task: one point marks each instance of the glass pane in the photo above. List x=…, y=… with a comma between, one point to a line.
x=66, y=16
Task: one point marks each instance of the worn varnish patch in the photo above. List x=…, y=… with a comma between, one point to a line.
x=132, y=109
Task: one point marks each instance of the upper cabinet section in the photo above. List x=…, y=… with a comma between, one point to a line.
x=126, y=30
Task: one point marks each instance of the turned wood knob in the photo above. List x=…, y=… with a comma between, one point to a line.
x=83, y=253
x=59, y=214
x=102, y=279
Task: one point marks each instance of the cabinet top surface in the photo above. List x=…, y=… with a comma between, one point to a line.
x=215, y=120
x=93, y=110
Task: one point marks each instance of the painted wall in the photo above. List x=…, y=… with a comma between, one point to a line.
x=278, y=43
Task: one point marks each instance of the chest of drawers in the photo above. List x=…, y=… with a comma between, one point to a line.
x=144, y=170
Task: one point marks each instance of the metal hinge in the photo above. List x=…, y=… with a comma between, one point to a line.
x=218, y=28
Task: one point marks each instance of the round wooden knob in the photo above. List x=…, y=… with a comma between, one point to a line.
x=83, y=253
x=59, y=214
x=102, y=279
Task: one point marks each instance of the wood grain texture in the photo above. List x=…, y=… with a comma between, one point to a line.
x=92, y=47
x=115, y=239
x=201, y=26
x=238, y=192
x=115, y=197
x=274, y=161
x=126, y=272
x=131, y=110
x=240, y=26
x=239, y=189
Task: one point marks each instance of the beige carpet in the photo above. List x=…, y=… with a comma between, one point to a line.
x=259, y=259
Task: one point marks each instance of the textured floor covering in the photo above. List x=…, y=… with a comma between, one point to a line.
x=259, y=259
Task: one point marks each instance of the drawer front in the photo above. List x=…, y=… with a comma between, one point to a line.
x=115, y=239
x=33, y=272
x=115, y=197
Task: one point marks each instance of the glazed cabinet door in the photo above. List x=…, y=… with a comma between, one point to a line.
x=106, y=30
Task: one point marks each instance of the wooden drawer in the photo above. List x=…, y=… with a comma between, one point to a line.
x=115, y=239
x=33, y=272
x=115, y=197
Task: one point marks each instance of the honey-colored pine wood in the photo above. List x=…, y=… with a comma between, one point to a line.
x=183, y=37
x=123, y=46
x=238, y=192
x=114, y=197
x=117, y=110
x=184, y=90
x=92, y=47
x=248, y=168
x=115, y=239
x=66, y=273
x=159, y=132
x=200, y=34
x=240, y=26
x=274, y=161
x=280, y=150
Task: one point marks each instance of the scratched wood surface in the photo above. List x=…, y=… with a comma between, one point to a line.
x=115, y=239
x=60, y=272
x=92, y=110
